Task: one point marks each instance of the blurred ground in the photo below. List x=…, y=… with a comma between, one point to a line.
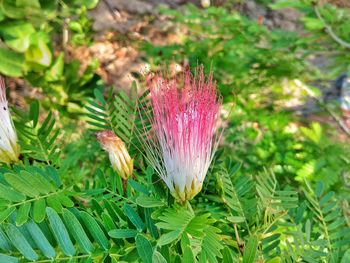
x=121, y=24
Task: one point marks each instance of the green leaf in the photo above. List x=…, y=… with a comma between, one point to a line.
x=34, y=112
x=54, y=202
x=21, y=184
x=39, y=210
x=112, y=212
x=2, y=15
x=137, y=186
x=19, y=241
x=17, y=34
x=56, y=71
x=22, y=214
x=319, y=189
x=251, y=249
x=158, y=258
x=40, y=239
x=150, y=223
x=28, y=3
x=314, y=133
x=134, y=217
x=274, y=260
x=188, y=256
x=77, y=231
x=38, y=53
x=8, y=259
x=148, y=202
x=313, y=23
x=108, y=221
x=6, y=213
x=227, y=256
x=65, y=200
x=212, y=243
x=346, y=257
x=144, y=248
x=123, y=233
x=4, y=242
x=99, y=96
x=95, y=230
x=231, y=194
x=60, y=232
x=75, y=26
x=38, y=181
x=236, y=219
x=173, y=219
x=280, y=4
x=90, y=3
x=11, y=9
x=185, y=241
x=11, y=63
x=11, y=195
x=169, y=237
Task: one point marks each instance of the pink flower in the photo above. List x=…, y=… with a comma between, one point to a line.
x=184, y=121
x=9, y=148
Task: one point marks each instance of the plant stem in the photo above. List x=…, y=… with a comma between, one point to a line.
x=35, y=199
x=189, y=206
x=118, y=195
x=63, y=258
x=330, y=31
x=341, y=124
x=239, y=242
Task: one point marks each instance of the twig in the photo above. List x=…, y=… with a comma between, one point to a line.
x=63, y=258
x=239, y=242
x=341, y=124
x=114, y=11
x=330, y=31
x=187, y=203
x=65, y=35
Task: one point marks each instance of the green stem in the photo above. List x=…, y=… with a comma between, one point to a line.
x=188, y=205
x=37, y=198
x=63, y=258
x=120, y=196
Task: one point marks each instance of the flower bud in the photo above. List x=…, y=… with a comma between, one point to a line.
x=117, y=152
x=9, y=148
x=205, y=3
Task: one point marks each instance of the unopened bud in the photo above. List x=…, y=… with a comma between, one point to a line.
x=117, y=152
x=205, y=3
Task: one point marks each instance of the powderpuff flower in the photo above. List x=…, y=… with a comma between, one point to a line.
x=117, y=152
x=185, y=115
x=9, y=148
